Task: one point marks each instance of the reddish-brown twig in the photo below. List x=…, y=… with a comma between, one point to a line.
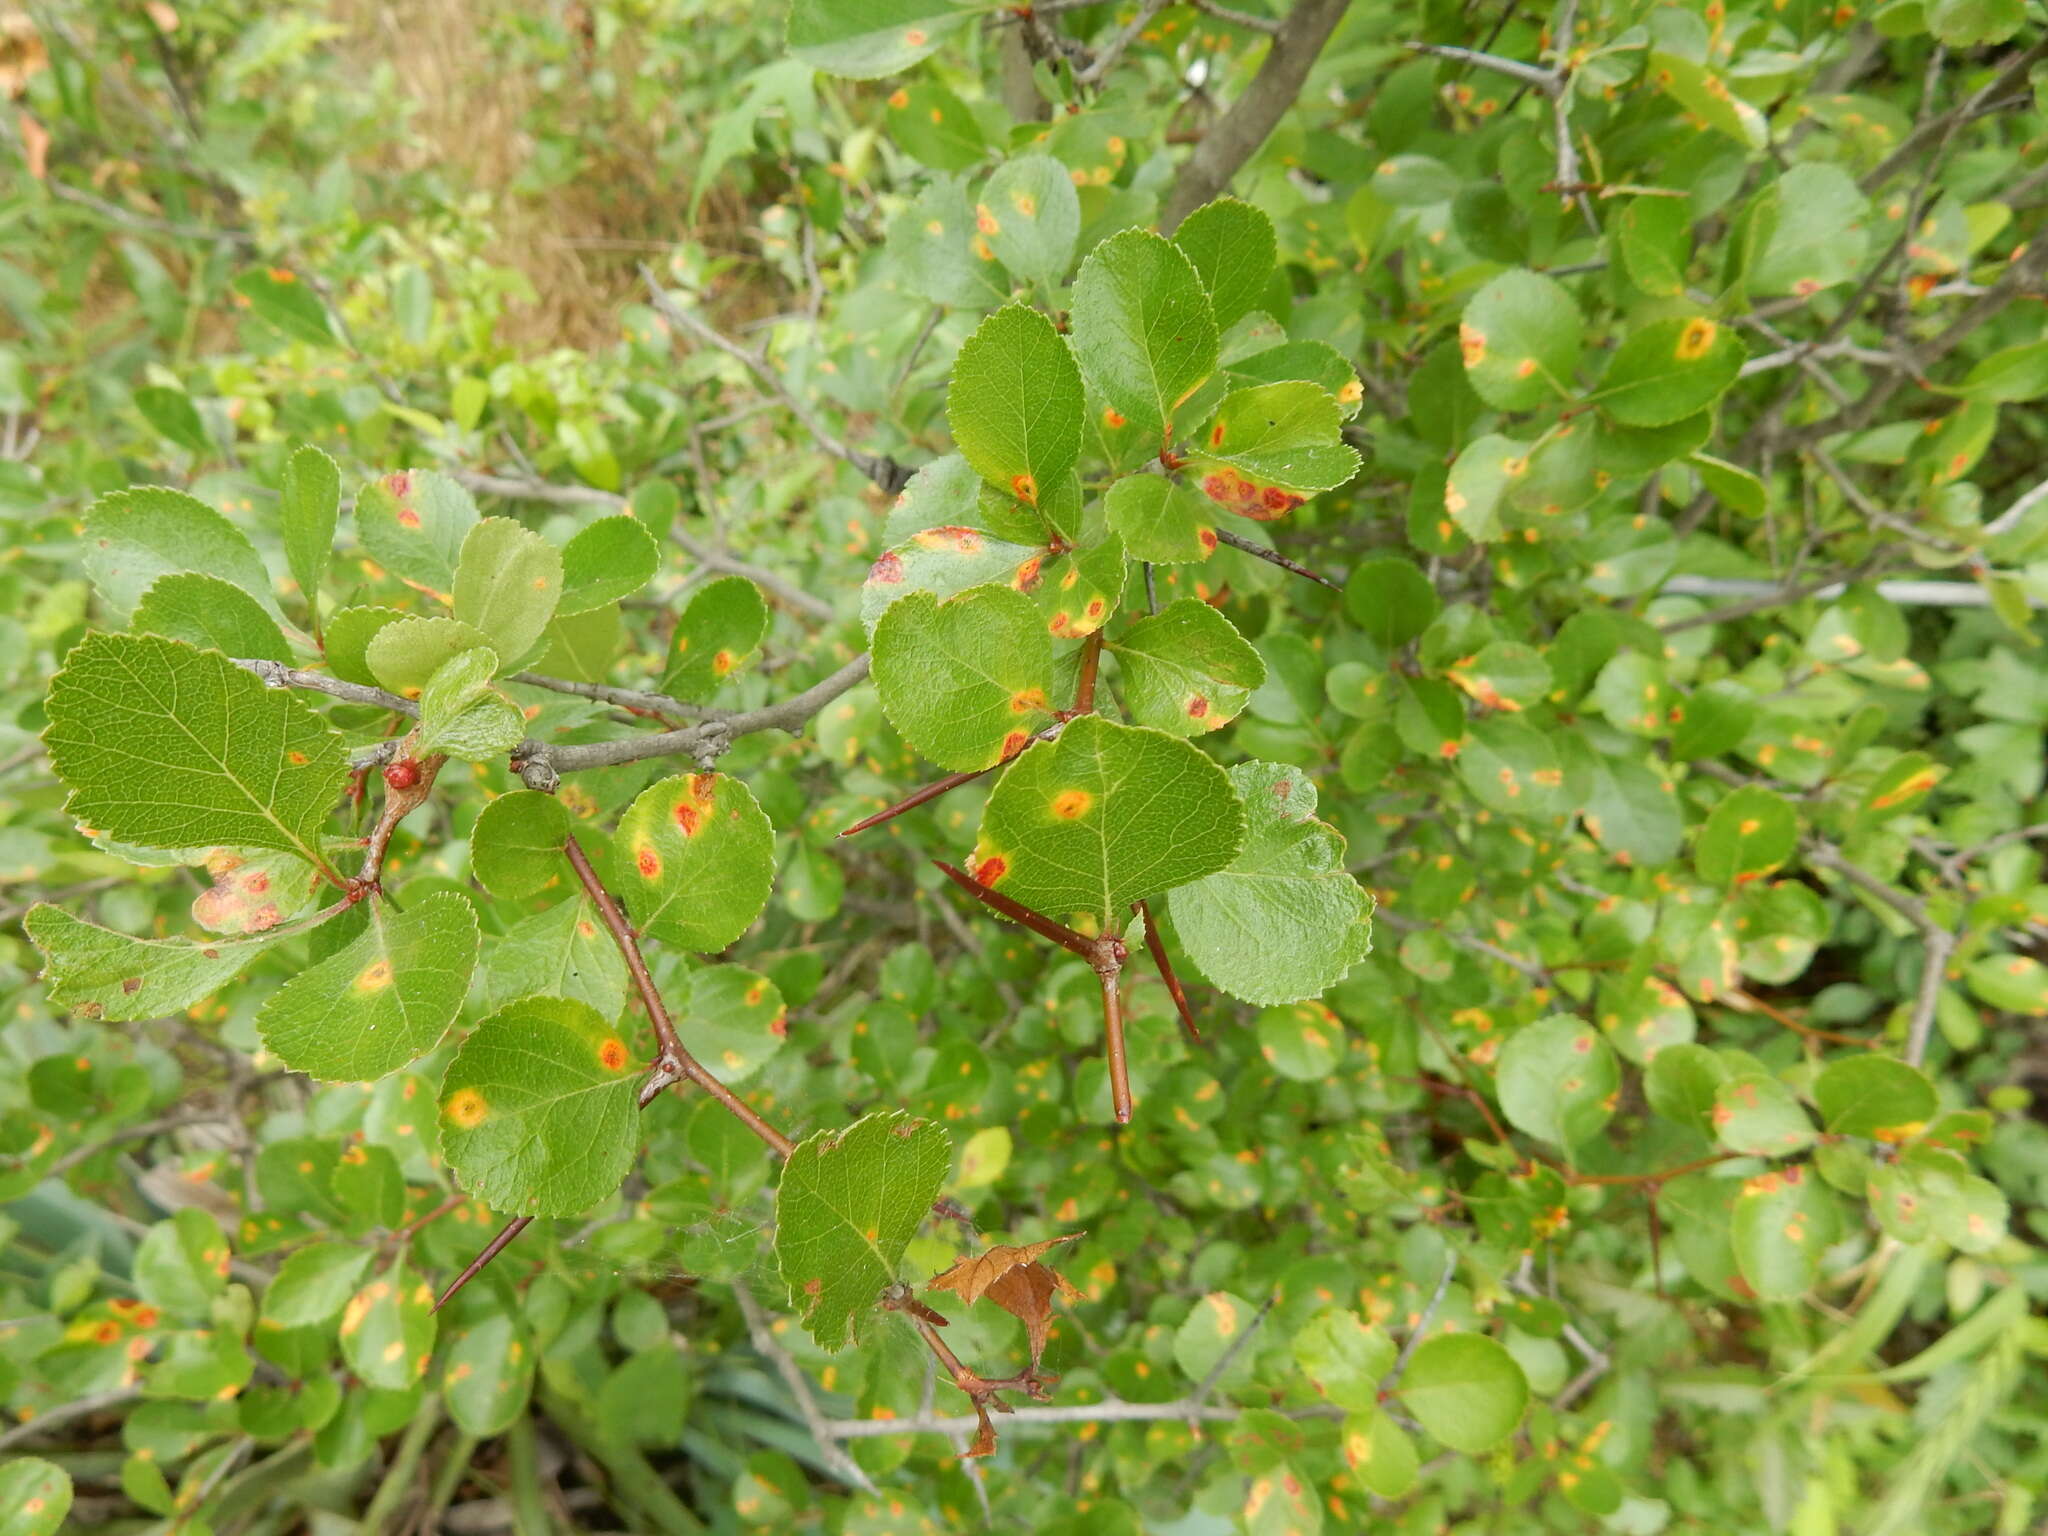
x=492, y=1249
x=1105, y=954
x=951, y=781
x=1156, y=946
x=1091, y=664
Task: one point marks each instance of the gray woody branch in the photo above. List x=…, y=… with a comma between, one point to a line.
x=1237, y=135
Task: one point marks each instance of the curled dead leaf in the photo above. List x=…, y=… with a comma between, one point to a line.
x=1014, y=1280
x=22, y=53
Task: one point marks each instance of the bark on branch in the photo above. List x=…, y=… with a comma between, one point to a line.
x=1237, y=135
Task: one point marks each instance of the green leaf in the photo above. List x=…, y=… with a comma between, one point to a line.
x=1970, y=23
x=1303, y=1041
x=135, y=536
x=611, y=558
x=1160, y=520
x=1817, y=234
x=562, y=952
x=866, y=39
x=1343, y=1358
x=1669, y=370
x=1653, y=236
x=1082, y=826
x=1186, y=670
x=1466, y=1390
x=716, y=636
x=1750, y=833
x=182, y=1264
x=1015, y=403
x=1284, y=920
x=1390, y=600
x=1782, y=1223
x=313, y=1284
x=1232, y=247
x=848, y=1204
x=1206, y=1335
x=208, y=613
x=111, y=976
x=308, y=507
x=507, y=580
x=35, y=1496
x=1269, y=448
x=1629, y=808
x=693, y=860
x=1874, y=1096
x=462, y=715
x=1520, y=338
x=488, y=1379
x=413, y=523
x=929, y=122
x=404, y=656
x=1682, y=1083
x=1557, y=1080
x=1143, y=333
x=1755, y=1113
x=734, y=1021
x=515, y=848
x=221, y=760
x=2014, y=983
x=173, y=415
x=949, y=560
x=1315, y=361
x=1030, y=216
x=966, y=681
x=1480, y=476
x=387, y=1329
x=277, y=295
x=348, y=638
x=539, y=1109
x=938, y=256
x=1706, y=96
x=1733, y=486
x=382, y=1001
x=2009, y=374
x=1381, y=1456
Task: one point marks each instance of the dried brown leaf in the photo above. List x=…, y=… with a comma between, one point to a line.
x=971, y=1277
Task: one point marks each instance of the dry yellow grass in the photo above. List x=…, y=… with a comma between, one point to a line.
x=577, y=240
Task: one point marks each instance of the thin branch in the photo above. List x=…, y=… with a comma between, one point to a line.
x=762, y=1332
x=491, y=1250
x=142, y=1132
x=1156, y=947
x=277, y=675
x=1114, y=1411
x=2012, y=77
x=1216, y=1373
x=513, y=489
x=884, y=471
x=1259, y=551
x=1266, y=24
x=675, y=1057
x=1938, y=943
x=1532, y=969
x=1415, y=1334
x=1529, y=74
x=64, y=1413
x=1112, y=52
x=540, y=765
x=1236, y=136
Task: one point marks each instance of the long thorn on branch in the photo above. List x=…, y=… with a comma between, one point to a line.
x=1155, y=945
x=925, y=794
x=1273, y=557
x=1017, y=912
x=492, y=1249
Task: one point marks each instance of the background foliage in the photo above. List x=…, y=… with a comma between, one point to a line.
x=1647, y=392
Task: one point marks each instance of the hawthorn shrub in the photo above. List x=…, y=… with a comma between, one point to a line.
x=1303, y=799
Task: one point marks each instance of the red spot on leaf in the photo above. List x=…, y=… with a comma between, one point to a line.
x=888, y=570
